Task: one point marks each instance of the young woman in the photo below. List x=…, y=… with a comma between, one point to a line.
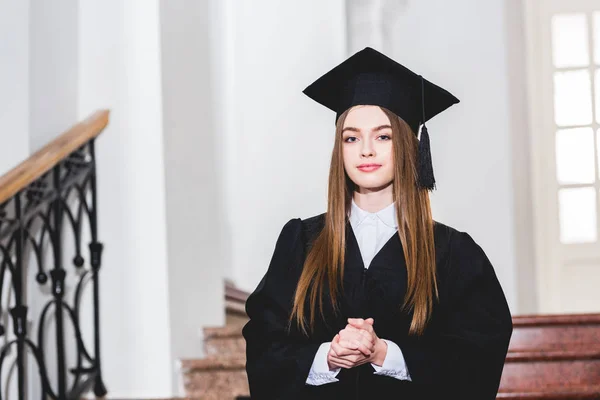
x=374, y=299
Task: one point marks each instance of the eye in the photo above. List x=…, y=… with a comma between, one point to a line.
x=386, y=137
x=347, y=140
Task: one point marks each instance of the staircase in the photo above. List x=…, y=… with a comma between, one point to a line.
x=553, y=357
x=550, y=357
x=221, y=375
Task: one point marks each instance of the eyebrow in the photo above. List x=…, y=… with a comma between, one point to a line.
x=353, y=129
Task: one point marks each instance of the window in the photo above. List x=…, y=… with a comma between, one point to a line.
x=564, y=95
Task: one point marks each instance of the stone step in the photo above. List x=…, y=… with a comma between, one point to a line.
x=224, y=341
x=571, y=393
x=551, y=371
x=554, y=331
x=215, y=378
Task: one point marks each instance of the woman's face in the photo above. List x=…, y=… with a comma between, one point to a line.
x=367, y=148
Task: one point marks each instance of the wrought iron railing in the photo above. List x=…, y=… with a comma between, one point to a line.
x=51, y=192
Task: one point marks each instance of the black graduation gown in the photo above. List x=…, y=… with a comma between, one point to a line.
x=460, y=356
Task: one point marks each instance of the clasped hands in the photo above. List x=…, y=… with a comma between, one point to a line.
x=356, y=344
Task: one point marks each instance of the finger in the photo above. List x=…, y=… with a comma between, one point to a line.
x=349, y=332
x=367, y=327
x=349, y=358
x=368, y=342
x=351, y=328
x=369, y=321
x=358, y=334
x=356, y=360
x=370, y=337
x=365, y=346
x=355, y=321
x=343, y=351
x=350, y=344
x=332, y=352
x=361, y=325
x=352, y=332
x=341, y=362
x=356, y=345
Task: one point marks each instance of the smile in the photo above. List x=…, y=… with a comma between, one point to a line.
x=369, y=168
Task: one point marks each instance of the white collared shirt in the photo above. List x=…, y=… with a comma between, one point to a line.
x=372, y=231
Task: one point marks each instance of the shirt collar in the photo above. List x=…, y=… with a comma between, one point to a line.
x=386, y=215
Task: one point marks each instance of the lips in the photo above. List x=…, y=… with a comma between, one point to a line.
x=369, y=167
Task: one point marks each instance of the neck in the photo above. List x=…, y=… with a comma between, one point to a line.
x=373, y=201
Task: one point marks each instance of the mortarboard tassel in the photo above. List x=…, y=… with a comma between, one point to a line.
x=426, y=178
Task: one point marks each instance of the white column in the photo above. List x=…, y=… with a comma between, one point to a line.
x=195, y=206
x=119, y=57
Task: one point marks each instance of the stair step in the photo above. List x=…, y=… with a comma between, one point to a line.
x=224, y=341
x=550, y=372
x=571, y=354
x=212, y=363
x=227, y=331
x=215, y=378
x=554, y=331
x=572, y=393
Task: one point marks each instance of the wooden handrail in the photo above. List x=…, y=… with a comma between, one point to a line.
x=51, y=154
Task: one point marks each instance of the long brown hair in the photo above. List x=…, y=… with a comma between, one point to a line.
x=325, y=259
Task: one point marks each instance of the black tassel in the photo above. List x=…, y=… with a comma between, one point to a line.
x=426, y=178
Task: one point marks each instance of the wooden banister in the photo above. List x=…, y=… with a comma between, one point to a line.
x=48, y=156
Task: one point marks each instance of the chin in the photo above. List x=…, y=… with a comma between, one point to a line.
x=373, y=184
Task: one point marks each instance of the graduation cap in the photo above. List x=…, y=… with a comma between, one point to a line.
x=371, y=78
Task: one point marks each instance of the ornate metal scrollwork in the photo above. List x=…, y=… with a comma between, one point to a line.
x=32, y=222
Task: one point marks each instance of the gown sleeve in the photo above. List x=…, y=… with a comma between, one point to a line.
x=277, y=361
x=463, y=355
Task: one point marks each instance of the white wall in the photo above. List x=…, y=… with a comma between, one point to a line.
x=278, y=146
x=14, y=83
x=53, y=69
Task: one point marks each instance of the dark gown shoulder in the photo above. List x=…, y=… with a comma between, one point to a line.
x=313, y=225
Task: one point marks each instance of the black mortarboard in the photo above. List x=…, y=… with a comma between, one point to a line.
x=371, y=78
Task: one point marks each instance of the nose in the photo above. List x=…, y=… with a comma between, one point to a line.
x=367, y=149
